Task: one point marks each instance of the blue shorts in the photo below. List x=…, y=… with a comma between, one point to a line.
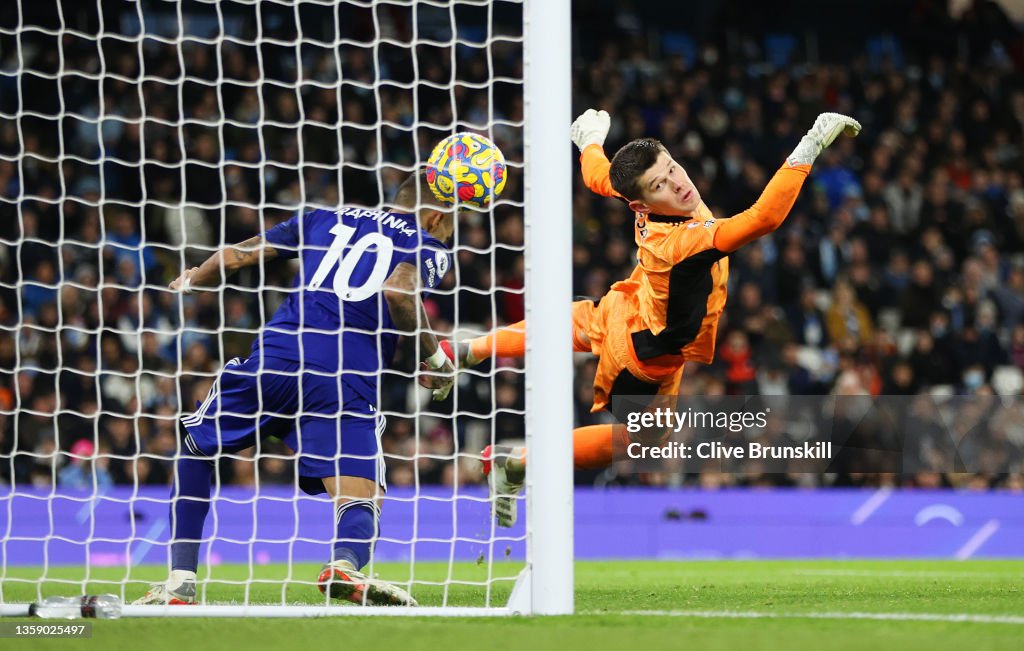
x=265, y=396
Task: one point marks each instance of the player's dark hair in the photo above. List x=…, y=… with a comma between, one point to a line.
x=630, y=163
x=407, y=196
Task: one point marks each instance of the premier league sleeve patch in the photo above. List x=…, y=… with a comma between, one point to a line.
x=433, y=267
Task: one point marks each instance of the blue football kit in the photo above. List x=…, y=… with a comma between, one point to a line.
x=312, y=377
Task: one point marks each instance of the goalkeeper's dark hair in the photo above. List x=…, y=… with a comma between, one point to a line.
x=414, y=194
x=630, y=163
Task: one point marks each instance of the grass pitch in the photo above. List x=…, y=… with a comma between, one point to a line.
x=933, y=605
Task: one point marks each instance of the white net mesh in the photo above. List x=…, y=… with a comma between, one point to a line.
x=138, y=137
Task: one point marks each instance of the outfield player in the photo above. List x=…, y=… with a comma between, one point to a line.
x=311, y=379
x=666, y=313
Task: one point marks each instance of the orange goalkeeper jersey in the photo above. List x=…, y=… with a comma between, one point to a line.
x=682, y=268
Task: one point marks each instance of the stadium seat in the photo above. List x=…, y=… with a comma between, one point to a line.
x=679, y=44
x=779, y=49
x=882, y=48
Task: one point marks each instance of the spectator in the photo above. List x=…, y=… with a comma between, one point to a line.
x=923, y=213
x=921, y=299
x=904, y=199
x=1009, y=297
x=40, y=288
x=740, y=369
x=930, y=362
x=847, y=317
x=1017, y=346
x=808, y=322
x=84, y=471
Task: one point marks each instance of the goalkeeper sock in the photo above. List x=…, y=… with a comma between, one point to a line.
x=357, y=523
x=594, y=445
x=509, y=341
x=191, y=503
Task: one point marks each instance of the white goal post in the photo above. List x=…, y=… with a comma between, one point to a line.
x=549, y=295
x=93, y=537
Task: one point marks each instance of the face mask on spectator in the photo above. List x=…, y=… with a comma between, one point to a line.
x=974, y=379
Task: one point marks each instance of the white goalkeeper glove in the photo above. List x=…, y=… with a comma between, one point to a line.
x=826, y=128
x=590, y=128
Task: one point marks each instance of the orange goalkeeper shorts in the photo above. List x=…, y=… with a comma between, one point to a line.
x=608, y=328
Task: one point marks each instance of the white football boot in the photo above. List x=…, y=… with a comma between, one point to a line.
x=505, y=482
x=341, y=581
x=178, y=590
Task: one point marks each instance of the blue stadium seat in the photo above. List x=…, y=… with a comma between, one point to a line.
x=779, y=48
x=880, y=48
x=679, y=44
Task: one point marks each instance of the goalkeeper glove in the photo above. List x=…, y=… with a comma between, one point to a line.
x=442, y=383
x=826, y=128
x=591, y=128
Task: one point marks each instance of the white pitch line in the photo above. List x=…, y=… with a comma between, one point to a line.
x=1016, y=620
x=21, y=610
x=910, y=574
x=977, y=540
x=266, y=611
x=871, y=505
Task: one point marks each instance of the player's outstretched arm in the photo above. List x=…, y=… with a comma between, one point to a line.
x=774, y=204
x=406, y=309
x=823, y=132
x=223, y=263
x=588, y=133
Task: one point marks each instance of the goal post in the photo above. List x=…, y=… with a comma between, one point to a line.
x=549, y=376
x=137, y=138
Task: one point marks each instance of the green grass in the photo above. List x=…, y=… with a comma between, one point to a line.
x=795, y=594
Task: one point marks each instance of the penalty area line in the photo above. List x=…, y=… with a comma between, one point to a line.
x=897, y=617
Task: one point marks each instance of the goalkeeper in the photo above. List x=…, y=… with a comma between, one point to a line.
x=311, y=379
x=666, y=313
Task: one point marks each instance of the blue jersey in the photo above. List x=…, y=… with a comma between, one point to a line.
x=336, y=320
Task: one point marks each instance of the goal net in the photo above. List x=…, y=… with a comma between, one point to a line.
x=136, y=138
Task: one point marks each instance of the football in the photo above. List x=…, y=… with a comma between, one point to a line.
x=466, y=169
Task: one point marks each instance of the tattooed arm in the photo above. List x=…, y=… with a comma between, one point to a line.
x=225, y=262
x=406, y=309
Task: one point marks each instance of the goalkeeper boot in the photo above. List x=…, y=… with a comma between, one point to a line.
x=178, y=590
x=505, y=469
x=341, y=581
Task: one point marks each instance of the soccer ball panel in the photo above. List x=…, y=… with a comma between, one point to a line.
x=466, y=169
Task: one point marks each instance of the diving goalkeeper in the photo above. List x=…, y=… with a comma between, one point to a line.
x=666, y=313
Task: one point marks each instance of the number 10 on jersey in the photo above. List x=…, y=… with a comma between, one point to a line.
x=342, y=277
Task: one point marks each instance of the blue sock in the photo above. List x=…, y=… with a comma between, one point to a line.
x=357, y=525
x=188, y=515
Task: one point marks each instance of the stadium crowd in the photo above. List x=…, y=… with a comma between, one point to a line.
x=899, y=271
